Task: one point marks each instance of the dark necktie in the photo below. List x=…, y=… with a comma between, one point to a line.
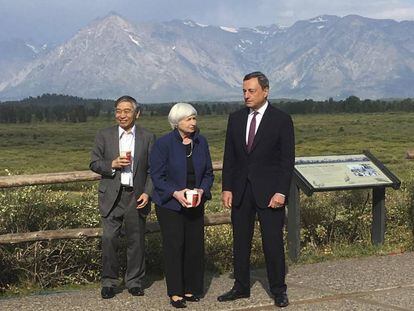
x=252, y=130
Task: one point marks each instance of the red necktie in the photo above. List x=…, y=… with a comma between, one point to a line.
x=252, y=132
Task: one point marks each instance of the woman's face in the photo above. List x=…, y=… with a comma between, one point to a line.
x=187, y=125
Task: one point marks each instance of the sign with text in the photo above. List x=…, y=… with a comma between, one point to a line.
x=336, y=172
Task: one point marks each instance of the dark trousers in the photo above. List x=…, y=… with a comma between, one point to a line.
x=125, y=212
x=271, y=226
x=183, y=248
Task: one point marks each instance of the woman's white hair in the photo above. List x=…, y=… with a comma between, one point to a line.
x=180, y=111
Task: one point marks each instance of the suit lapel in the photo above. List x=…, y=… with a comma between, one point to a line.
x=114, y=141
x=138, y=147
x=244, y=126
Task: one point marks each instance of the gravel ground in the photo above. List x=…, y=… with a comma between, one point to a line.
x=372, y=283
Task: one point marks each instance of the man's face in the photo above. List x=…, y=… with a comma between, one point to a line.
x=125, y=115
x=253, y=94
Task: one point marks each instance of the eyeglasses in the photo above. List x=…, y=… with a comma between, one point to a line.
x=125, y=111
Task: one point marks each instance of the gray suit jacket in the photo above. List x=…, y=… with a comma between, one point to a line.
x=105, y=150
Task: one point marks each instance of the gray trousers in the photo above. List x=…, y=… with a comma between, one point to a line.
x=124, y=211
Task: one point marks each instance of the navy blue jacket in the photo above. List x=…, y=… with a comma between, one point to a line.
x=168, y=167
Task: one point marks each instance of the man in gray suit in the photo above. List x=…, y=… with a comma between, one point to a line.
x=120, y=156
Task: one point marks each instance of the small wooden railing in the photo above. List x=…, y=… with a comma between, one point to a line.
x=78, y=233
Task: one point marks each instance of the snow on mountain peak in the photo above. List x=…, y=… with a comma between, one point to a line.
x=202, y=25
x=229, y=29
x=189, y=23
x=318, y=19
x=262, y=32
x=32, y=48
x=246, y=41
x=135, y=40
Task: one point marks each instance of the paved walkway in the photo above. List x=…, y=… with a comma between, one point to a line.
x=372, y=283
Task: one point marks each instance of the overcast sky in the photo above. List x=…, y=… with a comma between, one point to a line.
x=57, y=20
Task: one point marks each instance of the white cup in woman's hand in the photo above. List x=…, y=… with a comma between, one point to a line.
x=192, y=197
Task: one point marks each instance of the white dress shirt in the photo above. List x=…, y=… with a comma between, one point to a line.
x=259, y=116
x=127, y=143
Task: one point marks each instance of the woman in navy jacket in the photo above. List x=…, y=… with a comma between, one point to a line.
x=180, y=161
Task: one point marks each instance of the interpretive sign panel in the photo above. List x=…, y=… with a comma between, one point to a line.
x=337, y=172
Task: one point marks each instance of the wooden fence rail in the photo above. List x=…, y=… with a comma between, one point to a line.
x=57, y=178
x=47, y=179
x=78, y=233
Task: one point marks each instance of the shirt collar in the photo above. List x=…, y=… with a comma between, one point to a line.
x=261, y=110
x=121, y=131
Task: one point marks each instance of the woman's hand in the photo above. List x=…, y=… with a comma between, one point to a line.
x=200, y=195
x=180, y=197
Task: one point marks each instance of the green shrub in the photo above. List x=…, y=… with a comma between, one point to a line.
x=48, y=264
x=337, y=217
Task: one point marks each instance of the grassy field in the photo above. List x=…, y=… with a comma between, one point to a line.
x=53, y=147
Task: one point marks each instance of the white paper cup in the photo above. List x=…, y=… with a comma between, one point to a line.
x=192, y=197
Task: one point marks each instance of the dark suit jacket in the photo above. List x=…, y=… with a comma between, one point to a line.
x=105, y=150
x=169, y=168
x=269, y=166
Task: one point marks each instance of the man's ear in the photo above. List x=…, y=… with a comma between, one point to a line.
x=138, y=114
x=267, y=91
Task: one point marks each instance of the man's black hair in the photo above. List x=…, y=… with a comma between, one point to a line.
x=263, y=80
x=130, y=99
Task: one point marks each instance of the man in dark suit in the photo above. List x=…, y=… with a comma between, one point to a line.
x=258, y=163
x=121, y=156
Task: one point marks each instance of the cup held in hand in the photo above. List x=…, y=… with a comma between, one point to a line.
x=192, y=197
x=126, y=154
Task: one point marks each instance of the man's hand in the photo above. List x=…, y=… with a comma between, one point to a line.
x=142, y=200
x=227, y=198
x=120, y=162
x=277, y=201
x=180, y=197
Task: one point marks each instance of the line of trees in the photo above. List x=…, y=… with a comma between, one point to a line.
x=58, y=108
x=352, y=104
x=51, y=108
x=203, y=108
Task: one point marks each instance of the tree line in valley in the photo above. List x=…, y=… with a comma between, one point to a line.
x=51, y=108
x=65, y=108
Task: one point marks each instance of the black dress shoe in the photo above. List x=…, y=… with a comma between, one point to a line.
x=136, y=291
x=107, y=292
x=281, y=300
x=192, y=298
x=232, y=295
x=178, y=303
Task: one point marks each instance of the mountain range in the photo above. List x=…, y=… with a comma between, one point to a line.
x=181, y=60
